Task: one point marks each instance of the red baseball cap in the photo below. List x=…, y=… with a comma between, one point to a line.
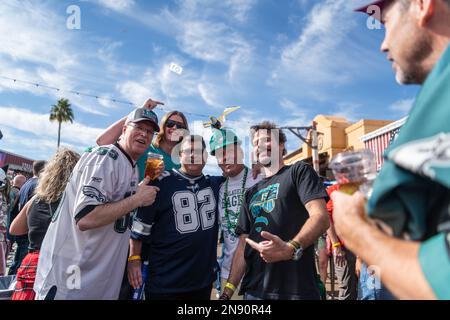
x=379, y=3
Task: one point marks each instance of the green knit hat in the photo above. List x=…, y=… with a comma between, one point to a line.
x=222, y=138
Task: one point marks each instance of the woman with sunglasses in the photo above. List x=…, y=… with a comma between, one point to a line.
x=174, y=127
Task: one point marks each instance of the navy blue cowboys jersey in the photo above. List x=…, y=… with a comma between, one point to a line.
x=181, y=229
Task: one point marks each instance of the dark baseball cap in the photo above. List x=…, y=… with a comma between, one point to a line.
x=142, y=114
x=379, y=3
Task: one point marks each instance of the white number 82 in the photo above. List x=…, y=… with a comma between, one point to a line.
x=187, y=215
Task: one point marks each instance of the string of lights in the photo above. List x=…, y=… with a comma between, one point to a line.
x=94, y=96
x=98, y=97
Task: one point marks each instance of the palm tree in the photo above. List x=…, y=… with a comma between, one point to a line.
x=61, y=112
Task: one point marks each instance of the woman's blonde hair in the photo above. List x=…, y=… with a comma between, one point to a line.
x=53, y=179
x=162, y=126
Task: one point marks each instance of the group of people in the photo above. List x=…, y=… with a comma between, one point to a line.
x=95, y=221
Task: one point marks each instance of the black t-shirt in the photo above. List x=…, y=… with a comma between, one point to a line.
x=277, y=205
x=39, y=218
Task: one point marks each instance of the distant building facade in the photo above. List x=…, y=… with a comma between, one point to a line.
x=336, y=134
x=13, y=163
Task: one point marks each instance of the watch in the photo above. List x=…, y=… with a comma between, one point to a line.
x=298, y=250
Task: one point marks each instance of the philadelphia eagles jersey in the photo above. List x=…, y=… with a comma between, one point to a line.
x=89, y=264
x=229, y=210
x=181, y=228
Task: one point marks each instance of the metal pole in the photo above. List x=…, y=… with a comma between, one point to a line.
x=314, y=147
x=332, y=272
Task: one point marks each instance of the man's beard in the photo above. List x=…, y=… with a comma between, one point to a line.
x=415, y=73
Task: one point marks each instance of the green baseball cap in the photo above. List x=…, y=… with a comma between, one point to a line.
x=222, y=138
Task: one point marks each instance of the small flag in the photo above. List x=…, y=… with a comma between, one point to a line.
x=176, y=68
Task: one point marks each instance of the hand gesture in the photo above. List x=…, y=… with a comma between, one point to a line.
x=151, y=104
x=146, y=194
x=273, y=249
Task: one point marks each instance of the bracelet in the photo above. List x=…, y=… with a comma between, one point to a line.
x=337, y=245
x=294, y=244
x=230, y=286
x=133, y=258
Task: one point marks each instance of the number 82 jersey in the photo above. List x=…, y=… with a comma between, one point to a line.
x=181, y=228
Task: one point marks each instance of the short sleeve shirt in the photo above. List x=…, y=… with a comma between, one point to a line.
x=277, y=205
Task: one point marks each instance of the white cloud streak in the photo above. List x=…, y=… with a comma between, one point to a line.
x=39, y=124
x=402, y=106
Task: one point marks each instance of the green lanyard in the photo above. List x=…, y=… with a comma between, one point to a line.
x=231, y=216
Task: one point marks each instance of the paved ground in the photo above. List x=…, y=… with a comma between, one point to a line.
x=214, y=291
x=328, y=285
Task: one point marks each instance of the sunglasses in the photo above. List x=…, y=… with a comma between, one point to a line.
x=171, y=124
x=138, y=128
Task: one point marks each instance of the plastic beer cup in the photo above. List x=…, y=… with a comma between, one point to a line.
x=154, y=160
x=355, y=171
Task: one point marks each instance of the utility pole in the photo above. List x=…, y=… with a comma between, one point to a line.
x=312, y=142
x=314, y=147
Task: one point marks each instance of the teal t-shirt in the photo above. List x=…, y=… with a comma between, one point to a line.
x=406, y=192
x=169, y=164
x=434, y=258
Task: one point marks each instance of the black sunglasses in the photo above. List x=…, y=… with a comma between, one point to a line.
x=171, y=124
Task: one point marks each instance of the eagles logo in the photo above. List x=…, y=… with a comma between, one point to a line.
x=263, y=202
x=429, y=157
x=266, y=200
x=92, y=192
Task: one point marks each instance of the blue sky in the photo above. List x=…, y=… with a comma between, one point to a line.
x=283, y=60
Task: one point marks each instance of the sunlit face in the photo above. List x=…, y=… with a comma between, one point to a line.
x=406, y=44
x=175, y=129
x=136, y=138
x=230, y=159
x=193, y=157
x=266, y=147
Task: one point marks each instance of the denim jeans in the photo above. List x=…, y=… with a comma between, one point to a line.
x=21, y=252
x=371, y=288
x=248, y=296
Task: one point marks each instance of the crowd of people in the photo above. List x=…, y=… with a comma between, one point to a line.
x=95, y=226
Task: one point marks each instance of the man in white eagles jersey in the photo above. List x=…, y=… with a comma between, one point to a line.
x=84, y=252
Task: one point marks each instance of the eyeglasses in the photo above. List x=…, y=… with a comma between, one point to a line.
x=171, y=124
x=195, y=152
x=141, y=129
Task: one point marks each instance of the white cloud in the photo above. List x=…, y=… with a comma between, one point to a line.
x=230, y=10
x=288, y=105
x=117, y=5
x=240, y=8
x=209, y=94
x=323, y=56
x=37, y=47
x=199, y=34
x=33, y=145
x=209, y=41
x=350, y=111
x=402, y=106
x=31, y=32
x=37, y=123
x=158, y=82
x=314, y=56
